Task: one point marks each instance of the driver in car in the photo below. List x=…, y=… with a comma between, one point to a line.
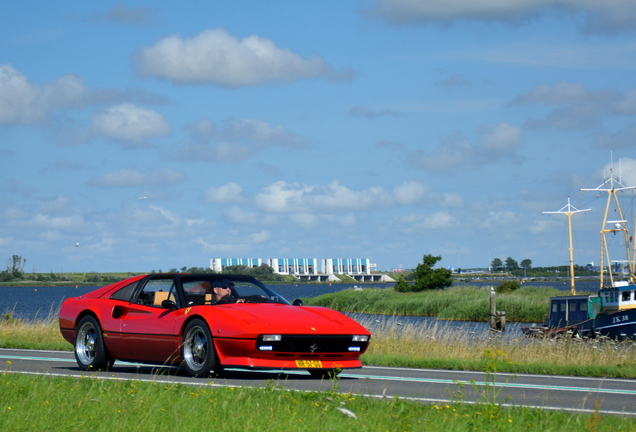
x=222, y=291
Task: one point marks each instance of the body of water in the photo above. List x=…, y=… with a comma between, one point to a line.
x=43, y=302
x=40, y=302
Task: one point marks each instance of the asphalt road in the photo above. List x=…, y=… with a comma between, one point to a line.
x=613, y=396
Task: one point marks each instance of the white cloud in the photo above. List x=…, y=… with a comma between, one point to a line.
x=169, y=216
x=499, y=219
x=305, y=220
x=576, y=106
x=539, y=226
x=600, y=16
x=311, y=203
x=454, y=80
x=413, y=10
x=312, y=220
x=260, y=237
x=410, y=192
x=282, y=197
x=494, y=143
x=451, y=153
x=124, y=14
x=564, y=93
x=24, y=103
x=625, y=170
x=621, y=140
x=130, y=124
x=239, y=216
x=235, y=141
x=46, y=221
x=214, y=56
x=434, y=221
x=240, y=244
x=228, y=193
x=499, y=138
x=451, y=200
x=627, y=104
x=135, y=178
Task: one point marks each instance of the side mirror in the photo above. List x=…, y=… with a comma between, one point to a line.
x=297, y=302
x=168, y=304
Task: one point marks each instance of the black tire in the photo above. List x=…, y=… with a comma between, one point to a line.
x=197, y=349
x=90, y=351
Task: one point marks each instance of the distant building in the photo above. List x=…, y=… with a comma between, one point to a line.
x=308, y=268
x=218, y=264
x=348, y=266
x=294, y=266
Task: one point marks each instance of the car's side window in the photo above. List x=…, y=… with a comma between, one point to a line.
x=124, y=293
x=156, y=291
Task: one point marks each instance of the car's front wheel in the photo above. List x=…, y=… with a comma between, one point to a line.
x=197, y=349
x=90, y=351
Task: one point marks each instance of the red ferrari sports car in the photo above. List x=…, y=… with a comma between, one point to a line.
x=206, y=323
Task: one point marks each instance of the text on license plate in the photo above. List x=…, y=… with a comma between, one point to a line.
x=309, y=363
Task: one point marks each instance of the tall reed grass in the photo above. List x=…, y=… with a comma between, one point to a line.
x=440, y=345
x=35, y=333
x=469, y=303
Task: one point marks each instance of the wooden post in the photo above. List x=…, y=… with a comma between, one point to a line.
x=497, y=318
x=493, y=309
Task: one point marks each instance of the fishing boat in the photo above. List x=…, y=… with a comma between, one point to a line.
x=611, y=312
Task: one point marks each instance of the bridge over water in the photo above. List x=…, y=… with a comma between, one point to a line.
x=334, y=278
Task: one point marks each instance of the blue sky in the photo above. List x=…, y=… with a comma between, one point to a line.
x=161, y=134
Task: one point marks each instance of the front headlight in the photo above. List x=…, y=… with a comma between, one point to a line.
x=360, y=338
x=272, y=338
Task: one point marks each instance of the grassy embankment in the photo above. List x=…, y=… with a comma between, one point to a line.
x=37, y=403
x=467, y=303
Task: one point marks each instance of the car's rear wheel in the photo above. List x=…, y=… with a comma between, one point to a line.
x=90, y=351
x=197, y=349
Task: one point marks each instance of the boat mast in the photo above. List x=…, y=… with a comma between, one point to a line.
x=611, y=186
x=569, y=210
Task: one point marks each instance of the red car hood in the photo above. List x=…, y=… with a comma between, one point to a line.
x=296, y=319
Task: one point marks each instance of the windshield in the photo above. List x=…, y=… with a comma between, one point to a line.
x=220, y=289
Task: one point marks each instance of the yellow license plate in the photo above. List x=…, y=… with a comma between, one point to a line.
x=309, y=363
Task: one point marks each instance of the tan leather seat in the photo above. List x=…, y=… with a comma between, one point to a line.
x=161, y=296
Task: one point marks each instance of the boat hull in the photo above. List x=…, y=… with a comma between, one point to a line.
x=616, y=325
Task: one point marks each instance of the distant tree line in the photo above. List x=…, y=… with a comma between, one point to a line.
x=15, y=272
x=15, y=268
x=263, y=272
x=526, y=269
x=510, y=264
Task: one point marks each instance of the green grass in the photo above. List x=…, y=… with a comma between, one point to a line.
x=30, y=403
x=469, y=303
